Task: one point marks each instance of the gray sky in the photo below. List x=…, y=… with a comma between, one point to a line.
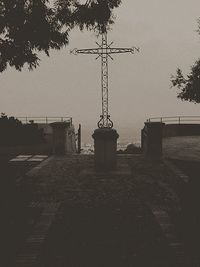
x=68, y=85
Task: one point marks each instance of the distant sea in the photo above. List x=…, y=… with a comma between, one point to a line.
x=127, y=135
x=88, y=148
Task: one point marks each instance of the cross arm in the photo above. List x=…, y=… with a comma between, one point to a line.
x=103, y=51
x=93, y=51
x=123, y=50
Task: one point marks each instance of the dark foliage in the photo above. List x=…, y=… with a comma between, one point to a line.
x=130, y=149
x=30, y=26
x=13, y=132
x=189, y=86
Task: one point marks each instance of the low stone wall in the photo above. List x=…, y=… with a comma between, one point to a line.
x=172, y=130
x=153, y=133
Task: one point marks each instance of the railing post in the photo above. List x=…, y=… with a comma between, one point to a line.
x=179, y=119
x=46, y=120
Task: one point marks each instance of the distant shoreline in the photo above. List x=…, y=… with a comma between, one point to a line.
x=89, y=148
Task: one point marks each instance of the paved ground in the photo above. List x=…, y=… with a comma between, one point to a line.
x=184, y=153
x=79, y=218
x=181, y=147
x=101, y=219
x=65, y=214
x=17, y=219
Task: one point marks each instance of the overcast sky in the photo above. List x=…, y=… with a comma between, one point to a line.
x=68, y=85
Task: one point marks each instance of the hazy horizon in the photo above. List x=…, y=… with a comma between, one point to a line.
x=139, y=85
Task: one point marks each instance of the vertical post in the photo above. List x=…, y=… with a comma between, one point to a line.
x=79, y=139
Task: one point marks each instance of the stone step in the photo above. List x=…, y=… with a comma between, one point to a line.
x=182, y=176
x=29, y=253
x=167, y=227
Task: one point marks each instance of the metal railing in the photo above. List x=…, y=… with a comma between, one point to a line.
x=45, y=120
x=176, y=119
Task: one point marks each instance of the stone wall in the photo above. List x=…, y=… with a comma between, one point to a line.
x=70, y=136
x=171, y=130
x=47, y=131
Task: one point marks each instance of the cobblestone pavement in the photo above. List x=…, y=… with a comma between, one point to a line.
x=73, y=179
x=105, y=219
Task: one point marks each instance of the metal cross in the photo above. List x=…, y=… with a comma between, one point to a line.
x=104, y=51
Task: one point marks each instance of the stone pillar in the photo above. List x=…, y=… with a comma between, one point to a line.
x=70, y=140
x=152, y=139
x=105, y=149
x=59, y=137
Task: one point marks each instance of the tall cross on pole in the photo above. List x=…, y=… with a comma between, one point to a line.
x=104, y=51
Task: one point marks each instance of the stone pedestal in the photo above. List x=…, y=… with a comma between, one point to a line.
x=59, y=137
x=152, y=135
x=105, y=149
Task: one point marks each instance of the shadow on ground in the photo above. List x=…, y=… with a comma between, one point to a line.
x=103, y=236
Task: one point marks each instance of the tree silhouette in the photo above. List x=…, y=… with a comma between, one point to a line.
x=14, y=132
x=30, y=26
x=189, y=86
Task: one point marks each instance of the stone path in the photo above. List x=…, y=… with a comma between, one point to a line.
x=28, y=254
x=184, y=161
x=169, y=231
x=187, y=173
x=120, y=218
x=105, y=218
